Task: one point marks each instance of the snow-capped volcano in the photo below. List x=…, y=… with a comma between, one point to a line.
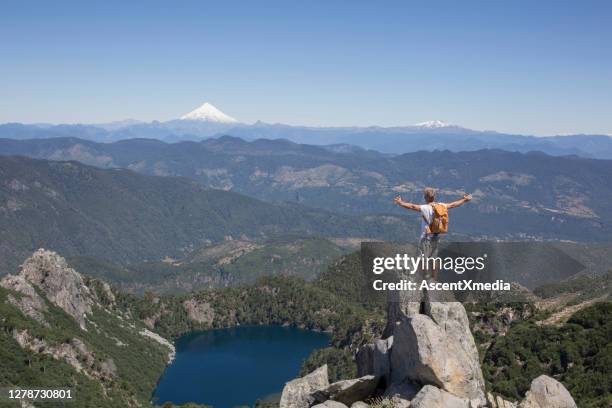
x=433, y=124
x=208, y=113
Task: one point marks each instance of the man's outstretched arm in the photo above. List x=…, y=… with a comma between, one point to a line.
x=465, y=199
x=405, y=204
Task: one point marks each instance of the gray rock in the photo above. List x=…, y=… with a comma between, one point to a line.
x=373, y=359
x=495, y=401
x=359, y=404
x=298, y=393
x=546, y=392
x=424, y=352
x=432, y=397
x=349, y=391
x=400, y=394
x=401, y=304
x=403, y=390
x=399, y=402
x=330, y=404
x=453, y=319
x=29, y=303
x=62, y=285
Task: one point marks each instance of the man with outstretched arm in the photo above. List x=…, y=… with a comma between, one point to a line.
x=434, y=221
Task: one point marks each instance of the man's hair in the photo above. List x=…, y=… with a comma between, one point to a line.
x=429, y=194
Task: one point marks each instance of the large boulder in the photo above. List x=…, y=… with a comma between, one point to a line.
x=433, y=397
x=298, y=393
x=349, y=391
x=373, y=359
x=546, y=392
x=401, y=304
x=424, y=352
x=453, y=319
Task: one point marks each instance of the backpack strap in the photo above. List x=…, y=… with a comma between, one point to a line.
x=433, y=213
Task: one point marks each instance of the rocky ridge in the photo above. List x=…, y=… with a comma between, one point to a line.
x=46, y=281
x=427, y=359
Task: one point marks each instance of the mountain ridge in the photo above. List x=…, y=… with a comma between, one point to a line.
x=517, y=195
x=386, y=140
x=123, y=216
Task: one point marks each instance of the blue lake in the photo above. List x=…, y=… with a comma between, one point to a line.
x=237, y=366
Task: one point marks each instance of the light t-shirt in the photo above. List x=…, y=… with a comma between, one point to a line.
x=427, y=213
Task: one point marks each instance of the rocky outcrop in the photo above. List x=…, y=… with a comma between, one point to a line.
x=298, y=393
x=373, y=359
x=423, y=352
x=427, y=359
x=62, y=286
x=432, y=363
x=546, y=392
x=28, y=301
x=74, y=352
x=432, y=397
x=452, y=318
x=348, y=391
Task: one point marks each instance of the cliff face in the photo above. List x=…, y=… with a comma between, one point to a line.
x=61, y=285
x=427, y=359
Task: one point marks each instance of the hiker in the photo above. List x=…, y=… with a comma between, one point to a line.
x=434, y=221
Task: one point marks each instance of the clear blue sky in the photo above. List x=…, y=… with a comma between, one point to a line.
x=537, y=67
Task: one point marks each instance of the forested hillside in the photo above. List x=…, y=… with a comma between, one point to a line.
x=516, y=195
x=122, y=216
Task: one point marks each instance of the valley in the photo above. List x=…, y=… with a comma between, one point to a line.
x=146, y=242
x=62, y=328
x=124, y=217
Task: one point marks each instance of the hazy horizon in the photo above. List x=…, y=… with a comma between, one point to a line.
x=537, y=68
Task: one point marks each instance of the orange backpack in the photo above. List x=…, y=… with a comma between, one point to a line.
x=439, y=222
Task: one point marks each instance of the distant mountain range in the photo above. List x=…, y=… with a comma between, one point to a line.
x=516, y=196
x=207, y=121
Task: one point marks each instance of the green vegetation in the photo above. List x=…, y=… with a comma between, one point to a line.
x=514, y=349
x=231, y=263
x=114, y=326
x=271, y=301
x=579, y=354
x=585, y=287
x=340, y=363
x=522, y=191
x=125, y=217
x=136, y=361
